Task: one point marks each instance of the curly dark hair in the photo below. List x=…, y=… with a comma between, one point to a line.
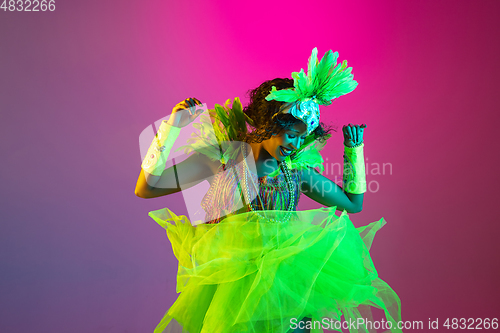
x=264, y=114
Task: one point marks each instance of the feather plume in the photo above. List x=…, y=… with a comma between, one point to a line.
x=325, y=80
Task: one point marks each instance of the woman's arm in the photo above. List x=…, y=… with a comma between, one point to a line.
x=326, y=192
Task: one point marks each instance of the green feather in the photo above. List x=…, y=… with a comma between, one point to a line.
x=283, y=95
x=214, y=134
x=325, y=80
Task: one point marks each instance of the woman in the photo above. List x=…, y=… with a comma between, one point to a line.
x=258, y=265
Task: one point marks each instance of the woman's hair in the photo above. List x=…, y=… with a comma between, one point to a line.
x=264, y=114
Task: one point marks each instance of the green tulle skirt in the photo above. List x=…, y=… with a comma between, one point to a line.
x=248, y=275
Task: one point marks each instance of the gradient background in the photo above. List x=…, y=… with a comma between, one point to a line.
x=77, y=86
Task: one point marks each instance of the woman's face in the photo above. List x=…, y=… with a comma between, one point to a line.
x=281, y=145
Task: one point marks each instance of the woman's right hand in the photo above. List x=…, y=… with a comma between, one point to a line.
x=185, y=112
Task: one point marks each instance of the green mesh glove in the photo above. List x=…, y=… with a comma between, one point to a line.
x=354, y=170
x=157, y=155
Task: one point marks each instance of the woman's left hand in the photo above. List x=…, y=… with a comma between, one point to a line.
x=353, y=134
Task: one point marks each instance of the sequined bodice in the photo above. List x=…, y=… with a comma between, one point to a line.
x=224, y=196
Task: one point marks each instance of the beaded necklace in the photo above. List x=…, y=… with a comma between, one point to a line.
x=286, y=172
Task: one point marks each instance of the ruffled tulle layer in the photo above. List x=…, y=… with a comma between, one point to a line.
x=248, y=275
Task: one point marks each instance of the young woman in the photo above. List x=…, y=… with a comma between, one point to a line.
x=257, y=264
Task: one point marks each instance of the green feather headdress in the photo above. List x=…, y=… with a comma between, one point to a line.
x=325, y=80
x=219, y=133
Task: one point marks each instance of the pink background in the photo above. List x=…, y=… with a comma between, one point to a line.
x=78, y=85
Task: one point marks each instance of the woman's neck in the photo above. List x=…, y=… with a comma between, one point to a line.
x=264, y=162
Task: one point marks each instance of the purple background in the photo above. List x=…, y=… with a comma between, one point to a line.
x=78, y=85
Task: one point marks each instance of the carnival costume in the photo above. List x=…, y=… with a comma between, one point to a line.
x=266, y=268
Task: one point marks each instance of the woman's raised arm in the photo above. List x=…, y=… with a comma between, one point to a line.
x=154, y=180
x=328, y=193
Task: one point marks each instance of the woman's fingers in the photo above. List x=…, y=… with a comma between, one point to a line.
x=195, y=101
x=353, y=134
x=349, y=132
x=361, y=132
x=200, y=110
x=195, y=112
x=185, y=112
x=190, y=105
x=192, y=109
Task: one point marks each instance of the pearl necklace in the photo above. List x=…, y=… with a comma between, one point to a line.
x=288, y=180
